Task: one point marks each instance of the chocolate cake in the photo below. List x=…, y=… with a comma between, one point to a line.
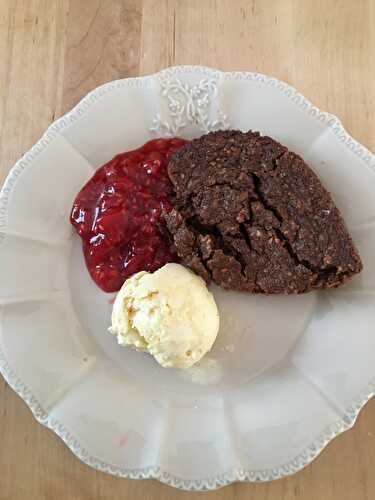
x=252, y=216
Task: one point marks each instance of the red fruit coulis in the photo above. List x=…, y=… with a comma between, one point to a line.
x=118, y=214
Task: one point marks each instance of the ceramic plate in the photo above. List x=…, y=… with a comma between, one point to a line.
x=286, y=375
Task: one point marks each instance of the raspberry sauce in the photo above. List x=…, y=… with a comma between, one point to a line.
x=118, y=214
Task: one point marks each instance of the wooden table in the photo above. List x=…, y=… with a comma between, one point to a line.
x=52, y=52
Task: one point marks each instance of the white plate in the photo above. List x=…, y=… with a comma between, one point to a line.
x=287, y=374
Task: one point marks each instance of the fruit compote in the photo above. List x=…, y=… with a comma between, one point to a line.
x=118, y=214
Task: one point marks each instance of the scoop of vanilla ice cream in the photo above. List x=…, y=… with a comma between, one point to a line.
x=169, y=313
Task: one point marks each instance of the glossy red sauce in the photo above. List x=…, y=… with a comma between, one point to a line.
x=118, y=214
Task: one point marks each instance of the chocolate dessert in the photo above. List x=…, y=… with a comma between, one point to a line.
x=252, y=216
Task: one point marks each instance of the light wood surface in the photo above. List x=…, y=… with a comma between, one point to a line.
x=52, y=52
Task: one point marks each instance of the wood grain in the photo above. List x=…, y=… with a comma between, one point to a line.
x=53, y=51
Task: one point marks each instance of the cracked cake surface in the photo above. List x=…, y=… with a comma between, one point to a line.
x=252, y=216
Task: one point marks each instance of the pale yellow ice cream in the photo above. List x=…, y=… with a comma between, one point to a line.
x=169, y=314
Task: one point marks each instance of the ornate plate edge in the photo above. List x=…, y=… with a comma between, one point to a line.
x=236, y=474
